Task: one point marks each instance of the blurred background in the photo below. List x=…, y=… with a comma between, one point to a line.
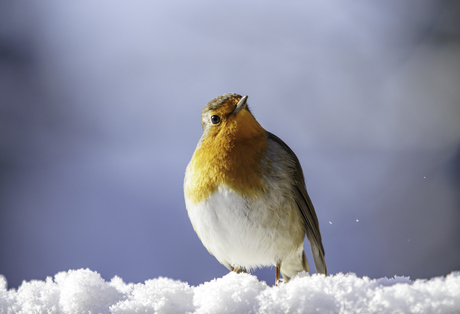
x=100, y=106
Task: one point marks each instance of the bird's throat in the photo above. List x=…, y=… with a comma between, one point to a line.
x=231, y=155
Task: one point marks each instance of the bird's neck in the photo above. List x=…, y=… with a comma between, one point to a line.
x=232, y=156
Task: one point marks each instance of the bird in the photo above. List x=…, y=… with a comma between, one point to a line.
x=246, y=197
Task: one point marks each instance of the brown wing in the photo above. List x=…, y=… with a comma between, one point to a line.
x=306, y=209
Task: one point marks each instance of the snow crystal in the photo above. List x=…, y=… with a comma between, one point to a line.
x=160, y=295
x=84, y=291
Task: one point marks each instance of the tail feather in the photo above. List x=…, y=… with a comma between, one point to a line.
x=318, y=258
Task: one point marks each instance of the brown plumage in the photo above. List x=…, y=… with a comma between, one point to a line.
x=245, y=194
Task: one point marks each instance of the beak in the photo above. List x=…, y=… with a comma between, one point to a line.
x=241, y=104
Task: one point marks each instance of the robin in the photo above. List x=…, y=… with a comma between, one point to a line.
x=245, y=194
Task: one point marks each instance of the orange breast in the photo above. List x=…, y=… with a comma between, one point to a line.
x=229, y=155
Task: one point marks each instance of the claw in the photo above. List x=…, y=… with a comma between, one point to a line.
x=277, y=275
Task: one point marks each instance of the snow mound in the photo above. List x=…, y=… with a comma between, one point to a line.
x=84, y=291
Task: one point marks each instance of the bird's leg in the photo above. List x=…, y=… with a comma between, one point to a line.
x=277, y=275
x=236, y=269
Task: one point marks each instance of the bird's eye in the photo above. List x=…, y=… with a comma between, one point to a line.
x=215, y=119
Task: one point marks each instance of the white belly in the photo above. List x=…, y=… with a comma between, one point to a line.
x=246, y=232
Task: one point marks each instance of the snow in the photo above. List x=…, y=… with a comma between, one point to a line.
x=85, y=291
